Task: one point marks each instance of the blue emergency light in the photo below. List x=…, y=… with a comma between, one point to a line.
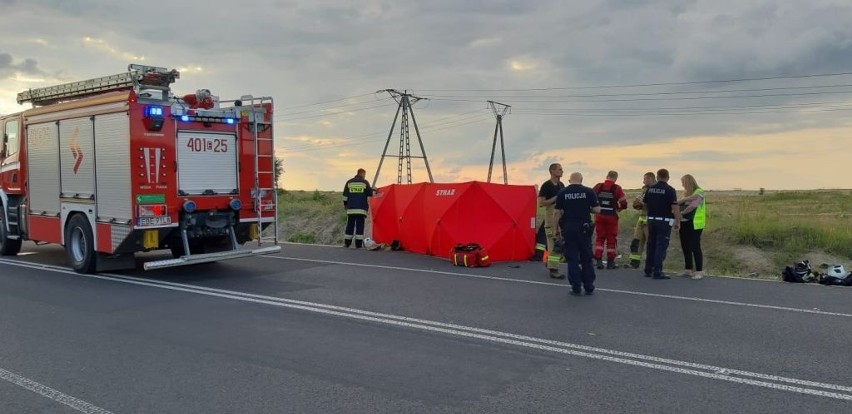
x=153, y=111
x=153, y=118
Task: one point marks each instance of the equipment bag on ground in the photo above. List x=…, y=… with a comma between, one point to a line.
x=469, y=255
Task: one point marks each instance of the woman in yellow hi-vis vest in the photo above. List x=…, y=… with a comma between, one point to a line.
x=692, y=224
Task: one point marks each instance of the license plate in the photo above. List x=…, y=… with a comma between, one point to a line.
x=154, y=221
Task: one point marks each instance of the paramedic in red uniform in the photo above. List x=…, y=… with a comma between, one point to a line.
x=612, y=200
x=355, y=195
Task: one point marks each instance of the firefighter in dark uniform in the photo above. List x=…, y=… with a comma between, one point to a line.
x=574, y=206
x=663, y=217
x=355, y=195
x=546, y=199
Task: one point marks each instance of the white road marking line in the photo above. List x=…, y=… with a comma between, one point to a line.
x=646, y=361
x=51, y=393
x=563, y=285
x=530, y=282
x=488, y=332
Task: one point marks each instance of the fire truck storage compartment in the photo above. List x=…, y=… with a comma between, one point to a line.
x=207, y=162
x=43, y=157
x=112, y=143
x=76, y=136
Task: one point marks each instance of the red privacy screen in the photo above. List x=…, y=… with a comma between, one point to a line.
x=431, y=218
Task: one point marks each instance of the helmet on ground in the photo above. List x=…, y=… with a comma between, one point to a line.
x=803, y=267
x=369, y=243
x=837, y=271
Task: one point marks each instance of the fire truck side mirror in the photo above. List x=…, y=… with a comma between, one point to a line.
x=3, y=146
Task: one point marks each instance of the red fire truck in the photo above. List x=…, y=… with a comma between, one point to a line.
x=116, y=165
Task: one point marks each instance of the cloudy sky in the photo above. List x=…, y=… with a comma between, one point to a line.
x=739, y=93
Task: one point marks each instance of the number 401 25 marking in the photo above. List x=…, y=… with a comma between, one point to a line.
x=207, y=145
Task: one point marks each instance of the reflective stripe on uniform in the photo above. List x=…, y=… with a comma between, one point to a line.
x=553, y=261
x=669, y=220
x=357, y=187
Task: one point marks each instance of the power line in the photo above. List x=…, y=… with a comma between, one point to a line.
x=305, y=146
x=353, y=140
x=605, y=95
x=728, y=107
x=694, y=113
x=384, y=104
x=641, y=85
x=472, y=121
x=331, y=108
x=326, y=102
x=543, y=100
x=818, y=75
x=433, y=126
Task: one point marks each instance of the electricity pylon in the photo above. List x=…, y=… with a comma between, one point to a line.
x=405, y=101
x=499, y=114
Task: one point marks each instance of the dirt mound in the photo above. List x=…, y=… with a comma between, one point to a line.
x=755, y=262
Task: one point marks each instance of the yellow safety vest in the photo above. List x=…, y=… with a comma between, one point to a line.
x=700, y=218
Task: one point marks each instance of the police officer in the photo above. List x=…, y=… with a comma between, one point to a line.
x=663, y=216
x=574, y=205
x=355, y=202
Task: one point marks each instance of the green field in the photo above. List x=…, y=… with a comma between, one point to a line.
x=748, y=234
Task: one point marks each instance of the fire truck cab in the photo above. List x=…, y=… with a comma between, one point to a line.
x=116, y=165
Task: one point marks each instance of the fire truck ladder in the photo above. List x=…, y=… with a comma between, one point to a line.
x=137, y=76
x=258, y=123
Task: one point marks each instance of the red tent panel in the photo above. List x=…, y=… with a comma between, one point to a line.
x=431, y=218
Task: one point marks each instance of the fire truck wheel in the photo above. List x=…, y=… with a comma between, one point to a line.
x=8, y=247
x=80, y=244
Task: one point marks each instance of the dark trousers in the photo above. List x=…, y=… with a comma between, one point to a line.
x=354, y=230
x=578, y=254
x=690, y=242
x=659, y=233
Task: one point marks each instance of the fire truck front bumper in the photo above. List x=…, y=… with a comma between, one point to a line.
x=209, y=257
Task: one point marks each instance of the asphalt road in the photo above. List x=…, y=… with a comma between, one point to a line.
x=326, y=329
